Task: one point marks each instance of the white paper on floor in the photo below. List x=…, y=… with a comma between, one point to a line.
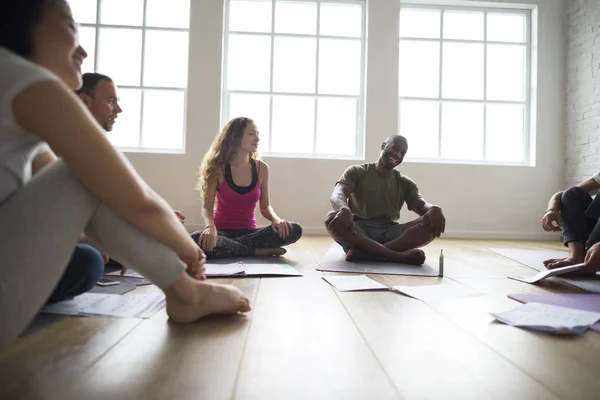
x=439, y=292
x=109, y=305
x=347, y=283
x=549, y=318
x=546, y=274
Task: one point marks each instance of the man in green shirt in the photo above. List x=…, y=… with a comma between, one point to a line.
x=367, y=200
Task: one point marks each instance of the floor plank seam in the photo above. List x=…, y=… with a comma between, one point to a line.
x=369, y=346
x=103, y=354
x=239, y=368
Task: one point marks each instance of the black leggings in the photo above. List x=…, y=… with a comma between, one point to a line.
x=243, y=242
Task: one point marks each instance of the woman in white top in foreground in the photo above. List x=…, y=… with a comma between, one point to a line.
x=92, y=188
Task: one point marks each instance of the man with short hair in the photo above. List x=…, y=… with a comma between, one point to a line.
x=367, y=200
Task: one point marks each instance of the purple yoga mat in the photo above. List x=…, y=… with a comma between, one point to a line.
x=583, y=302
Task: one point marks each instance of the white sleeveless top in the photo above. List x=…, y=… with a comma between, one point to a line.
x=18, y=147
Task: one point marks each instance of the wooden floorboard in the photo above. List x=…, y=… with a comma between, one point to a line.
x=303, y=339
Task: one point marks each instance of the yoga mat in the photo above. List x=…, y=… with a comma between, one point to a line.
x=335, y=261
x=534, y=259
x=584, y=302
x=256, y=267
x=123, y=287
x=531, y=258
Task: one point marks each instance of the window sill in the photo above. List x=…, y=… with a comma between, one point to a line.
x=466, y=162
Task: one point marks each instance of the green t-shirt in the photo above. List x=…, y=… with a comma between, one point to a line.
x=378, y=196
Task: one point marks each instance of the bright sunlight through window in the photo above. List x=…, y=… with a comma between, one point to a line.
x=143, y=46
x=296, y=68
x=464, y=83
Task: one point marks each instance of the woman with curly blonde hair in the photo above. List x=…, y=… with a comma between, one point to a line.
x=232, y=175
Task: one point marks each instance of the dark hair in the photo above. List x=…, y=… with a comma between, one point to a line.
x=18, y=19
x=90, y=81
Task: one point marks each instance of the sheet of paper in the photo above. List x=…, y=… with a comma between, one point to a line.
x=547, y=274
x=109, y=305
x=280, y=269
x=225, y=269
x=439, y=292
x=549, y=318
x=130, y=274
x=347, y=283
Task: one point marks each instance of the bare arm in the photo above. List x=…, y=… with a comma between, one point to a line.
x=51, y=112
x=266, y=209
x=208, y=204
x=339, y=197
x=590, y=186
x=41, y=160
x=420, y=206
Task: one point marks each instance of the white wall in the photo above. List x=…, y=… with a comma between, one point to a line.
x=583, y=90
x=479, y=201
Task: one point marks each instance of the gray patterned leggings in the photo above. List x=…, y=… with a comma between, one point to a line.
x=243, y=242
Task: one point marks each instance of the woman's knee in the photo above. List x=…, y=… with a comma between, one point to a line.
x=89, y=260
x=295, y=232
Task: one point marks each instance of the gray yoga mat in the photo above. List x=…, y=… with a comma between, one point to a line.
x=123, y=287
x=531, y=258
x=534, y=259
x=335, y=261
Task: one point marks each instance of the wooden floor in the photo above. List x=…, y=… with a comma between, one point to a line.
x=305, y=340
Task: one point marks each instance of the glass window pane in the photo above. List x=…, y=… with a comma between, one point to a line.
x=115, y=46
x=339, y=66
x=336, y=126
x=505, y=72
x=255, y=107
x=250, y=15
x=293, y=124
x=463, y=25
x=168, y=13
x=87, y=40
x=420, y=23
x=119, y=12
x=295, y=17
x=506, y=27
x=166, y=59
x=462, y=71
x=341, y=19
x=462, y=131
x=164, y=119
x=419, y=68
x=126, y=130
x=294, y=66
x=505, y=130
x=249, y=63
x=419, y=123
x=84, y=11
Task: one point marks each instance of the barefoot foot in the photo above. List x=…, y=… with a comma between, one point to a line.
x=414, y=256
x=202, y=299
x=562, y=262
x=275, y=251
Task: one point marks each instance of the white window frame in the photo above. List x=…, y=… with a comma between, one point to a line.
x=527, y=128
x=360, y=115
x=144, y=28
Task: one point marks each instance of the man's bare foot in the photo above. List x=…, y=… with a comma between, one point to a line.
x=193, y=300
x=562, y=262
x=414, y=256
x=275, y=251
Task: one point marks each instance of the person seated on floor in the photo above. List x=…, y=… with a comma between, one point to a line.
x=91, y=189
x=575, y=213
x=232, y=174
x=366, y=225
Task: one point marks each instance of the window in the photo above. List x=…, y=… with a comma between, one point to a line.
x=296, y=68
x=464, y=83
x=143, y=46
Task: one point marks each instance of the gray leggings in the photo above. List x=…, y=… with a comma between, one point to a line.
x=40, y=225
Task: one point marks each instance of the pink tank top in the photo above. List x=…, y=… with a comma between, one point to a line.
x=235, y=204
